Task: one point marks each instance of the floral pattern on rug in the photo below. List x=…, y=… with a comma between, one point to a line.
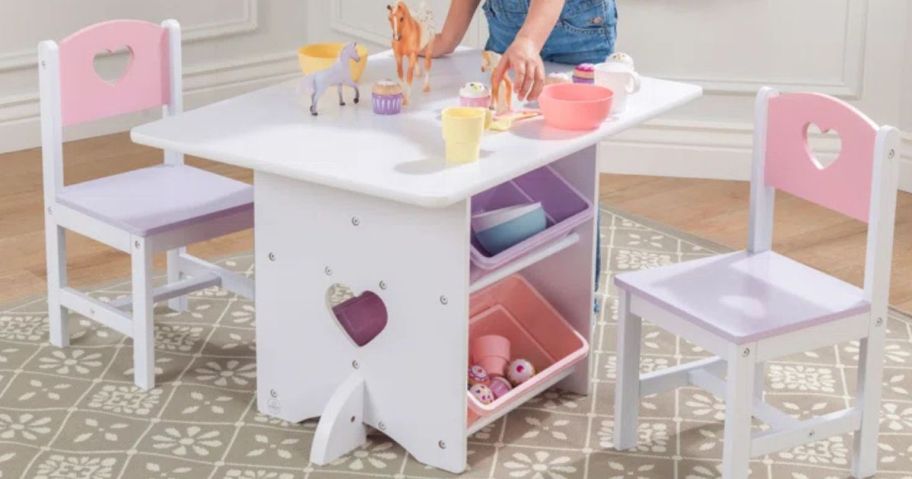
x=75, y=413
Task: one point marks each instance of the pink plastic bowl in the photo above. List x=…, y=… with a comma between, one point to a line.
x=575, y=106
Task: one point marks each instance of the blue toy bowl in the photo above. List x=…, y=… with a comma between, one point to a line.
x=499, y=238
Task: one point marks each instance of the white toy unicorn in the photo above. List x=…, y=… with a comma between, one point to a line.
x=339, y=74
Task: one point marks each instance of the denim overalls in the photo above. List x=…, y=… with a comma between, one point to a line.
x=585, y=31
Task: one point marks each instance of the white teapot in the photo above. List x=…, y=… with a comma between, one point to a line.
x=618, y=74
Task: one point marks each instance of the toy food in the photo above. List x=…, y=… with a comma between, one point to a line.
x=499, y=386
x=492, y=352
x=478, y=375
x=584, y=73
x=474, y=94
x=482, y=393
x=520, y=371
x=575, y=106
x=387, y=97
x=489, y=61
x=339, y=74
x=621, y=58
x=410, y=34
x=558, y=77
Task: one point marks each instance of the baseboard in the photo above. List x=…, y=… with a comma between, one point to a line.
x=19, y=116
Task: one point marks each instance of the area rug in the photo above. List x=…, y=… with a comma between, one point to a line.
x=74, y=413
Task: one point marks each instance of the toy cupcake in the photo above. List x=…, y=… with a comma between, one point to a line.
x=387, y=96
x=557, y=78
x=584, y=73
x=474, y=94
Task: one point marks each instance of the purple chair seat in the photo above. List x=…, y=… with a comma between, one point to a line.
x=744, y=297
x=159, y=198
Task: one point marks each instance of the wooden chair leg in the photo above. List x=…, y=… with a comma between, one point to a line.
x=627, y=387
x=143, y=333
x=178, y=304
x=739, y=398
x=870, y=377
x=55, y=251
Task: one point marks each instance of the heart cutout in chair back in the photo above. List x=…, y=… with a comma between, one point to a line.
x=362, y=317
x=112, y=65
x=824, y=146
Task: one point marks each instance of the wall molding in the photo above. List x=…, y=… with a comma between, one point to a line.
x=249, y=22
x=849, y=87
x=337, y=23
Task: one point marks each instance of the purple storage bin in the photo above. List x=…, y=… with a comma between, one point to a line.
x=565, y=209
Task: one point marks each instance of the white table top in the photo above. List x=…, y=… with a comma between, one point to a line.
x=397, y=157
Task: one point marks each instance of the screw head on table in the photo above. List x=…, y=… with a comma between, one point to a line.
x=381, y=426
x=444, y=300
x=383, y=285
x=891, y=154
x=271, y=256
x=355, y=364
x=328, y=271
x=356, y=221
x=878, y=322
x=273, y=393
x=441, y=444
x=746, y=352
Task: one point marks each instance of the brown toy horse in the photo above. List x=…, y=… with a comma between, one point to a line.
x=489, y=61
x=410, y=34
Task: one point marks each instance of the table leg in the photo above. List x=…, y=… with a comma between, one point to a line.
x=310, y=237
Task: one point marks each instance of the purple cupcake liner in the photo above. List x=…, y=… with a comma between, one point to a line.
x=577, y=79
x=387, y=104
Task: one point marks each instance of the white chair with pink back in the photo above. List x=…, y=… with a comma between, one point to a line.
x=754, y=306
x=160, y=208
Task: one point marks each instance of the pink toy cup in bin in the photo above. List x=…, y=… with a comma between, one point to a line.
x=492, y=352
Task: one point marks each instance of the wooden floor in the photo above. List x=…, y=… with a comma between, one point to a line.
x=715, y=210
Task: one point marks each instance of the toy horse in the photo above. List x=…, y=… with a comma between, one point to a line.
x=339, y=74
x=410, y=34
x=489, y=61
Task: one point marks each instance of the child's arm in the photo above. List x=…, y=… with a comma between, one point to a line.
x=524, y=54
x=454, y=28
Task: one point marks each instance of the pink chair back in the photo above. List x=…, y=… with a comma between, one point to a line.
x=844, y=185
x=85, y=96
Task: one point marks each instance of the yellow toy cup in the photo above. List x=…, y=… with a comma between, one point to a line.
x=462, y=131
x=320, y=56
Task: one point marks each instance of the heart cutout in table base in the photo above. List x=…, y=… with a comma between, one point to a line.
x=362, y=317
x=112, y=65
x=824, y=146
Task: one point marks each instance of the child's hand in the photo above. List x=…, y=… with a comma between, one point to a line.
x=528, y=70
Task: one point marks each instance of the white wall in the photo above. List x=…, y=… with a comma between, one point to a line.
x=229, y=46
x=859, y=50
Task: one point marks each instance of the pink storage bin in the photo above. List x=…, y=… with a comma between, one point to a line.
x=514, y=309
x=565, y=209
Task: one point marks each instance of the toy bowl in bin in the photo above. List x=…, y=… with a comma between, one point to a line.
x=575, y=106
x=499, y=230
x=513, y=309
x=320, y=56
x=564, y=208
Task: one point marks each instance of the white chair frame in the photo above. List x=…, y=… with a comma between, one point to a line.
x=185, y=273
x=736, y=372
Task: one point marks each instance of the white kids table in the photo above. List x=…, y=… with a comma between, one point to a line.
x=367, y=201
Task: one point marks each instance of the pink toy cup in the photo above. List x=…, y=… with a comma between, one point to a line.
x=492, y=352
x=575, y=106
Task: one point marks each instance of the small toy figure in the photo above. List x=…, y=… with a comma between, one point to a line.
x=482, y=393
x=499, y=386
x=520, y=371
x=410, y=35
x=387, y=97
x=339, y=75
x=489, y=61
x=622, y=59
x=478, y=375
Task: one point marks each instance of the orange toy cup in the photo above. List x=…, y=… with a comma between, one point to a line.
x=575, y=106
x=492, y=352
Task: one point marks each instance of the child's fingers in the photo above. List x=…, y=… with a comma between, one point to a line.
x=520, y=79
x=539, y=83
x=528, y=82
